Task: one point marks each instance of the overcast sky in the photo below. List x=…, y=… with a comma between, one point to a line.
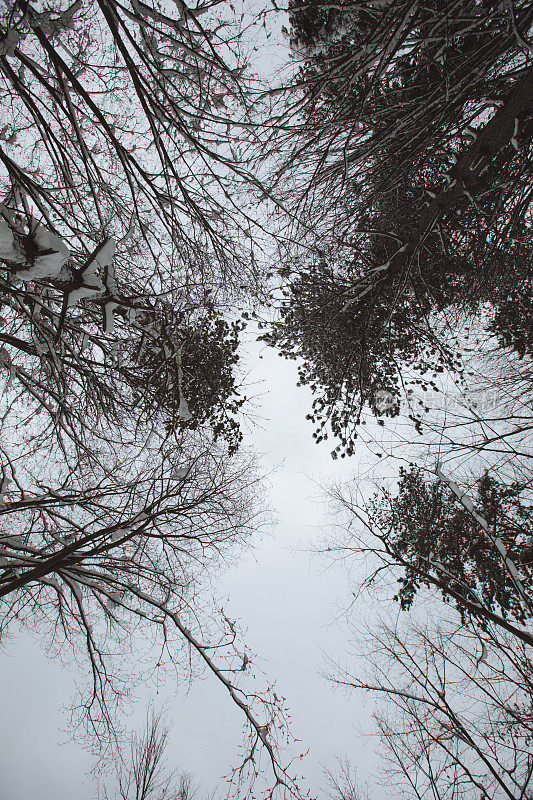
x=289, y=605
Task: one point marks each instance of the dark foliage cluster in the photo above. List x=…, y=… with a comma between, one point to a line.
x=352, y=353
x=394, y=94
x=513, y=319
x=184, y=365
x=429, y=531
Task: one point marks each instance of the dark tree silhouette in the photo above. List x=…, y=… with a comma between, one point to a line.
x=411, y=174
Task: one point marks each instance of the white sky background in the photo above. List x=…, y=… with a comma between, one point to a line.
x=287, y=602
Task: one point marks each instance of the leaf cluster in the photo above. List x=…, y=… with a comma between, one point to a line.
x=430, y=532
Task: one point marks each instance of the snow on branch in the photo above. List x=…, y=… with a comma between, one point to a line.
x=99, y=263
x=468, y=504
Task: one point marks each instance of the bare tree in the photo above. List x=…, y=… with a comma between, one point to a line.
x=457, y=721
x=343, y=784
x=124, y=239
x=120, y=238
x=130, y=115
x=143, y=773
x=109, y=569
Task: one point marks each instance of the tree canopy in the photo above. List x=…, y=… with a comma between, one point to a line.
x=409, y=167
x=426, y=527
x=373, y=208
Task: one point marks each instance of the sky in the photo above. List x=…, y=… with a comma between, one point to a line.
x=289, y=603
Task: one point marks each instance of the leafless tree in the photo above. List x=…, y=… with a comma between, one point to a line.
x=106, y=569
x=124, y=239
x=343, y=784
x=120, y=231
x=125, y=121
x=143, y=773
x=457, y=720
